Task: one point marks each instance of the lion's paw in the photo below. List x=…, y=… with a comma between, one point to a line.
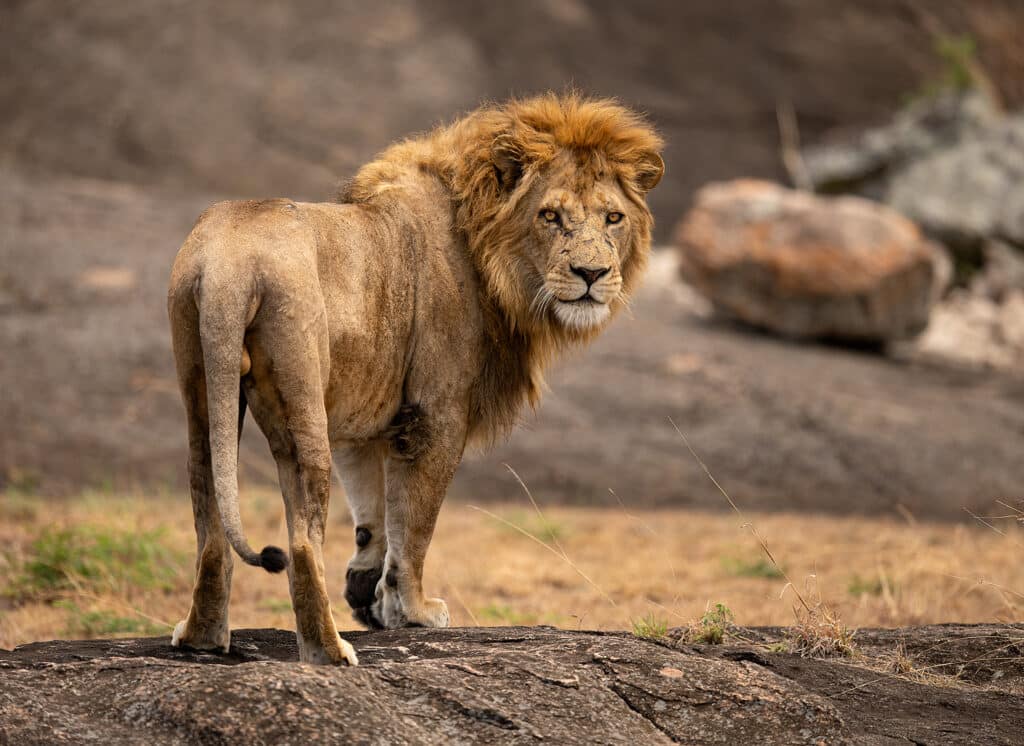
x=432, y=613
x=348, y=652
x=333, y=651
x=390, y=613
x=361, y=586
x=182, y=636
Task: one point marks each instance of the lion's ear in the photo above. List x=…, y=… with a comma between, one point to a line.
x=649, y=170
x=507, y=160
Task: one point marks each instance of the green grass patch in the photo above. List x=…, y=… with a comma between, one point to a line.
x=959, y=70
x=859, y=586
x=277, y=605
x=94, y=559
x=543, y=528
x=650, y=627
x=505, y=614
x=760, y=567
x=23, y=482
x=18, y=507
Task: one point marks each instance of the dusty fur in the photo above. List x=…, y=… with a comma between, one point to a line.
x=387, y=330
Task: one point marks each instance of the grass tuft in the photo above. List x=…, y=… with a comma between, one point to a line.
x=713, y=626
x=819, y=633
x=650, y=627
x=900, y=662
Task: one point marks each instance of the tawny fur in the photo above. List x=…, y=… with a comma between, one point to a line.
x=390, y=329
x=606, y=140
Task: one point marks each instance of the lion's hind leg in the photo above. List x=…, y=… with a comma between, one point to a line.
x=206, y=626
x=286, y=399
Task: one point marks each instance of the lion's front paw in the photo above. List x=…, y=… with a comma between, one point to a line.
x=433, y=612
x=185, y=635
x=391, y=612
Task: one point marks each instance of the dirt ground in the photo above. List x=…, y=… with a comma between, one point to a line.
x=103, y=565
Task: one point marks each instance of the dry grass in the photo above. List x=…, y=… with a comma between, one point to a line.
x=819, y=632
x=666, y=567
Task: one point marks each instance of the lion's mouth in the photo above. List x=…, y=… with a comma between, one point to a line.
x=586, y=299
x=581, y=313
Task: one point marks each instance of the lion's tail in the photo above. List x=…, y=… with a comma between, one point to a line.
x=223, y=307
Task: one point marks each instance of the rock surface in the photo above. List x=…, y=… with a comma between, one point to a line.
x=806, y=266
x=976, y=330
x=519, y=685
x=954, y=165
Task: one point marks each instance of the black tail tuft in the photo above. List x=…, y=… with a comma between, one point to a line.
x=273, y=559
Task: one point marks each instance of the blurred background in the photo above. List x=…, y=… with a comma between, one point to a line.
x=849, y=360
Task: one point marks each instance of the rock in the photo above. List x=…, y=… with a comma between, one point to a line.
x=1011, y=321
x=969, y=192
x=809, y=267
x=954, y=165
x=976, y=330
x=516, y=685
x=471, y=685
x=862, y=164
x=1002, y=274
x=963, y=329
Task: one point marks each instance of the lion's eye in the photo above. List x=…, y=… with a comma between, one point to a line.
x=614, y=217
x=549, y=215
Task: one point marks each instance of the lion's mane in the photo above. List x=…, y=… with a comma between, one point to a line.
x=489, y=161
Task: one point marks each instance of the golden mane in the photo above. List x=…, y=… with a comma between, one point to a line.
x=489, y=160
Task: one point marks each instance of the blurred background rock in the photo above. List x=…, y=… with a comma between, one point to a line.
x=122, y=120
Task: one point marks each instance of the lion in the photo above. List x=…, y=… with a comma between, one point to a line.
x=390, y=329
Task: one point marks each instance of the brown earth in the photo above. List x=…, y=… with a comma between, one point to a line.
x=89, y=396
x=961, y=684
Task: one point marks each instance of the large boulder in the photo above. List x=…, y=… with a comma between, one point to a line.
x=806, y=266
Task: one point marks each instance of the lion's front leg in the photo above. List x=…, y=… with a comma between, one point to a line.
x=361, y=469
x=424, y=455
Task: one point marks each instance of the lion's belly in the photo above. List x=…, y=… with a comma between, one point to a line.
x=365, y=387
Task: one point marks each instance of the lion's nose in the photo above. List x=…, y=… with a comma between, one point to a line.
x=590, y=275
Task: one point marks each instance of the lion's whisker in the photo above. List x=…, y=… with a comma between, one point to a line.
x=542, y=301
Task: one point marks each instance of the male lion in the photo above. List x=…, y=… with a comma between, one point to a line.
x=389, y=330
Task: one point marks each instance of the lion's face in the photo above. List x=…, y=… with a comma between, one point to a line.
x=579, y=241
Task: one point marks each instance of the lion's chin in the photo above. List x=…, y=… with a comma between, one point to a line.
x=581, y=314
